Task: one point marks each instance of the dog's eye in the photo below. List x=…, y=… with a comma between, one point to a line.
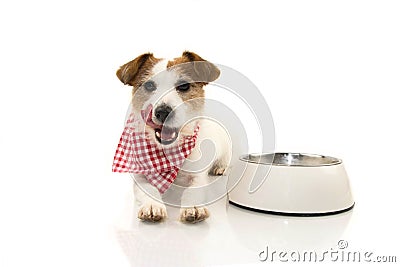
x=150, y=86
x=183, y=87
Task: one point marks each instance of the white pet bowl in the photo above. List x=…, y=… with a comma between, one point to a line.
x=297, y=184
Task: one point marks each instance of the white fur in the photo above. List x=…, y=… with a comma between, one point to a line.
x=166, y=93
x=160, y=66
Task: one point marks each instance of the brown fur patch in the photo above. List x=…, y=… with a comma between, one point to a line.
x=135, y=72
x=186, y=57
x=195, y=67
x=196, y=91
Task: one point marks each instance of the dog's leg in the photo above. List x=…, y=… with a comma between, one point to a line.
x=150, y=209
x=193, y=209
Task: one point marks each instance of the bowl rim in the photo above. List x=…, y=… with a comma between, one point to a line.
x=246, y=158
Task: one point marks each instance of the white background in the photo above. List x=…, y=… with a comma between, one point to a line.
x=329, y=71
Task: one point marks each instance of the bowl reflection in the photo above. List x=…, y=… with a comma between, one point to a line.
x=256, y=230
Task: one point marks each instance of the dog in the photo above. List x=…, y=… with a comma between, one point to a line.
x=168, y=100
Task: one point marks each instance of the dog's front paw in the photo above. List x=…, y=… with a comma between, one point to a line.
x=152, y=212
x=218, y=170
x=194, y=215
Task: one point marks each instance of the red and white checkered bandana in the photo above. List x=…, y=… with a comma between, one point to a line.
x=137, y=154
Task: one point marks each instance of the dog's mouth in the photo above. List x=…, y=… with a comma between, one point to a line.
x=164, y=135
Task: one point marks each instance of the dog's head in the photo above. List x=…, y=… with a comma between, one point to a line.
x=168, y=93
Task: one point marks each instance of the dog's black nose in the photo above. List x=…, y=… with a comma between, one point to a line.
x=162, y=112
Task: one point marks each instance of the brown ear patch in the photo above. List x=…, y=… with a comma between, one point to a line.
x=199, y=69
x=135, y=71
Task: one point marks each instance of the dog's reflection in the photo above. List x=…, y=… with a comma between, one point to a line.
x=169, y=243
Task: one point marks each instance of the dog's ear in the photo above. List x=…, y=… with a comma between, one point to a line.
x=203, y=70
x=131, y=71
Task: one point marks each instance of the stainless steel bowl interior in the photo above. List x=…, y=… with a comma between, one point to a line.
x=291, y=159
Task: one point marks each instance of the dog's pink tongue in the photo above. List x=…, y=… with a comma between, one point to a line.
x=147, y=113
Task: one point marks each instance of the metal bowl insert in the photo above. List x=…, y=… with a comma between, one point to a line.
x=291, y=159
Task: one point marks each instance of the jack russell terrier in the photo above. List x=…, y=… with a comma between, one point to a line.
x=164, y=131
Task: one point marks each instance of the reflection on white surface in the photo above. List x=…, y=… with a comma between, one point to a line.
x=230, y=236
x=165, y=246
x=256, y=230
